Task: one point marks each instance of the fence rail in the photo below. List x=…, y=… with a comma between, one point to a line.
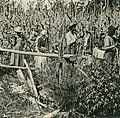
x=15, y=67
x=36, y=54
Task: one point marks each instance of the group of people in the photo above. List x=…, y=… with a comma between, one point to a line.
x=104, y=48
x=39, y=30
x=40, y=45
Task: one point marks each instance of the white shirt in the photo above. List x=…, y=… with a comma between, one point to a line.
x=70, y=38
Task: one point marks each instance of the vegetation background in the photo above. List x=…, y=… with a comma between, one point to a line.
x=77, y=96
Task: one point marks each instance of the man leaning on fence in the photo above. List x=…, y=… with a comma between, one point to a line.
x=17, y=59
x=42, y=46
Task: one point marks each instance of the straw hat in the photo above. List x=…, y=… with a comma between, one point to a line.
x=18, y=29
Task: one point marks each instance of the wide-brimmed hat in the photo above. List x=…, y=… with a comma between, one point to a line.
x=18, y=29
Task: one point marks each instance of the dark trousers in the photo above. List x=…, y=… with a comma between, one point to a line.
x=72, y=48
x=109, y=57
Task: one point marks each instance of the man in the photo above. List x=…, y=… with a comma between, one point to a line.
x=17, y=59
x=87, y=43
x=42, y=45
x=32, y=39
x=71, y=42
x=71, y=39
x=109, y=45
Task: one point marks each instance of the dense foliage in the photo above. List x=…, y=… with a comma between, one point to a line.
x=77, y=95
x=96, y=96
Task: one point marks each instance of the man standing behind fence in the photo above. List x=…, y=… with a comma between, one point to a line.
x=71, y=39
x=42, y=45
x=17, y=59
x=109, y=45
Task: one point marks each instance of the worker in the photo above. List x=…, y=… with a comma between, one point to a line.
x=71, y=42
x=109, y=45
x=87, y=43
x=42, y=45
x=17, y=59
x=71, y=38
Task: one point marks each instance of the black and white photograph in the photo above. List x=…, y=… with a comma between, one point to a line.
x=59, y=58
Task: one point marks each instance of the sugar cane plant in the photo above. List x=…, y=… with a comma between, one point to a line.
x=76, y=95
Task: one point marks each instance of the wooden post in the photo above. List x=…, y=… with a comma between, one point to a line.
x=60, y=63
x=31, y=79
x=101, y=12
x=107, y=3
x=32, y=84
x=119, y=60
x=61, y=51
